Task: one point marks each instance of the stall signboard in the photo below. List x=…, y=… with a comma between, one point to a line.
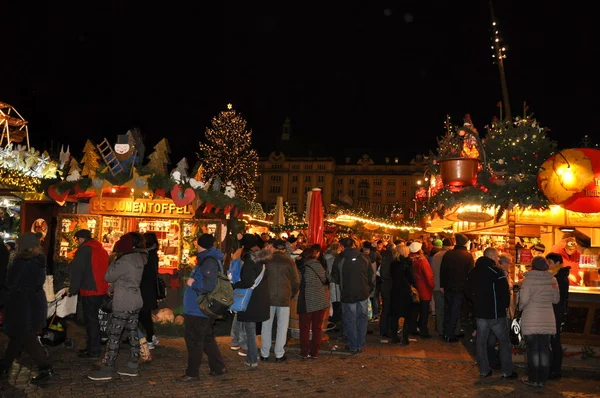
x=554, y=216
x=158, y=208
x=575, y=219
x=526, y=256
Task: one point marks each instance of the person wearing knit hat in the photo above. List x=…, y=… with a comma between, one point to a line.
x=538, y=249
x=248, y=241
x=461, y=240
x=415, y=247
x=25, y=307
x=454, y=268
x=206, y=241
x=539, y=291
x=124, y=245
x=436, y=247
x=28, y=241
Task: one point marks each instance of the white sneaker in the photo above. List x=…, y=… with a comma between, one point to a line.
x=152, y=344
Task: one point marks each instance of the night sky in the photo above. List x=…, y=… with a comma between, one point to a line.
x=385, y=71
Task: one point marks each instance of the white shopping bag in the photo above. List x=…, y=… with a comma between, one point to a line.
x=66, y=306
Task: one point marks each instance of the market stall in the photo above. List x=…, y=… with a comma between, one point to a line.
x=110, y=218
x=518, y=230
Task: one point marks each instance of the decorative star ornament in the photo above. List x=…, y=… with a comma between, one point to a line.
x=137, y=182
x=99, y=184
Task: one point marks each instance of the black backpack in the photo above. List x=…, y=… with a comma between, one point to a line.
x=216, y=303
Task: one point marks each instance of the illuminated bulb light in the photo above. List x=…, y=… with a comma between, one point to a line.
x=113, y=190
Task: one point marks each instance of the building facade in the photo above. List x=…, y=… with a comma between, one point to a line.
x=360, y=183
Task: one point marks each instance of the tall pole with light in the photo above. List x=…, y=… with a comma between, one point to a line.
x=499, y=56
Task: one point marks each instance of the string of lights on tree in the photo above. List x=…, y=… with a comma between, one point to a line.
x=227, y=153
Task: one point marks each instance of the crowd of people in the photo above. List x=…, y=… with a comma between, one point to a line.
x=126, y=279
x=349, y=282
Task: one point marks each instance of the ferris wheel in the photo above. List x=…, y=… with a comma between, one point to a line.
x=12, y=125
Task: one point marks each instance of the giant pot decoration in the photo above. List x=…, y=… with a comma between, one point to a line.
x=571, y=179
x=459, y=172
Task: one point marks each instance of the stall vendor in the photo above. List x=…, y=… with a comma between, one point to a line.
x=567, y=248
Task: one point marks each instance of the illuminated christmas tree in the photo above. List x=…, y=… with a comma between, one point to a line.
x=516, y=149
x=90, y=160
x=227, y=153
x=159, y=159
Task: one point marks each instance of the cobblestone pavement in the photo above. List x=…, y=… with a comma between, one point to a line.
x=426, y=368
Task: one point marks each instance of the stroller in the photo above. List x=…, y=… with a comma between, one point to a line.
x=55, y=333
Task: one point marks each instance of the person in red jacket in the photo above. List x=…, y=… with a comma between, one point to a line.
x=87, y=279
x=424, y=283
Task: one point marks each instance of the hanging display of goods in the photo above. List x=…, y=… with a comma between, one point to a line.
x=459, y=172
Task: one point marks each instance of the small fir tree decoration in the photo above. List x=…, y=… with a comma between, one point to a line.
x=90, y=160
x=227, y=153
x=159, y=159
x=182, y=167
x=74, y=171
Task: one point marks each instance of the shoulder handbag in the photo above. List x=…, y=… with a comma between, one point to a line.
x=414, y=294
x=515, y=333
x=107, y=304
x=161, y=289
x=241, y=296
x=324, y=282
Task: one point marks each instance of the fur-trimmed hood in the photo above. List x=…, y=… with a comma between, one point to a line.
x=261, y=256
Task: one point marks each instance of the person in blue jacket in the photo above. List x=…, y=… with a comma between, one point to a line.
x=199, y=333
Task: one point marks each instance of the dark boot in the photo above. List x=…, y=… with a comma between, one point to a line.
x=44, y=374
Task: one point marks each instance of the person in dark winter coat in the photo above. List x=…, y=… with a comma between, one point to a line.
x=454, y=268
x=87, y=272
x=401, y=304
x=487, y=290
x=352, y=270
x=148, y=289
x=259, y=307
x=555, y=262
x=26, y=307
